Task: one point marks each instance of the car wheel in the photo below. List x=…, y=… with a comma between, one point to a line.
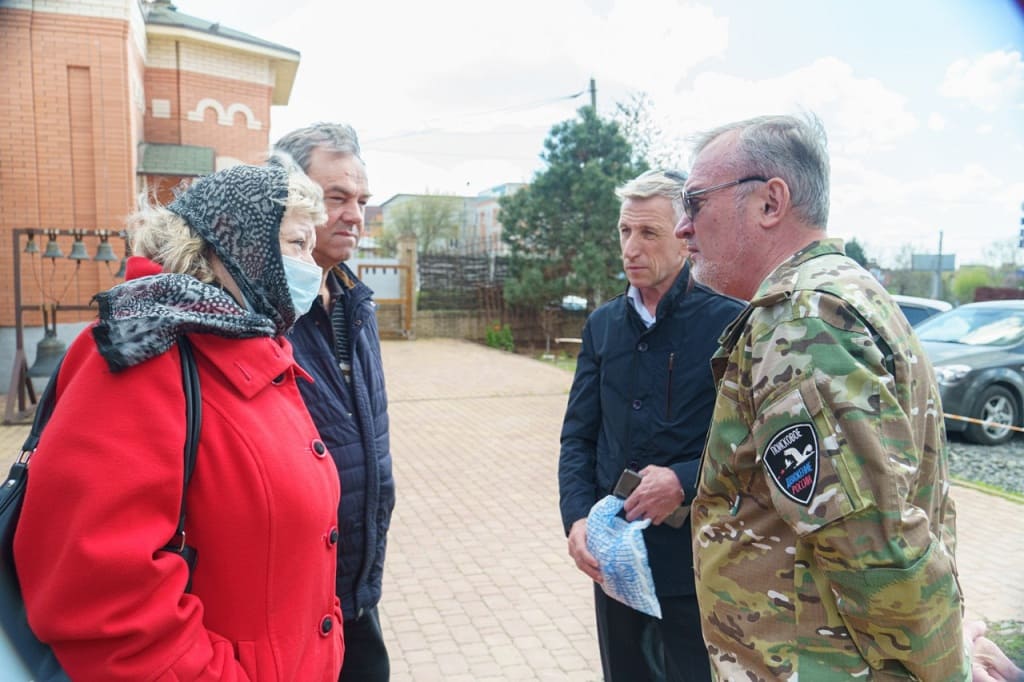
x=998, y=407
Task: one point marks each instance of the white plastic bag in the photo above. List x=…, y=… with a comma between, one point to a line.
x=618, y=545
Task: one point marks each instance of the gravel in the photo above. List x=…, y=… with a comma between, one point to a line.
x=1001, y=466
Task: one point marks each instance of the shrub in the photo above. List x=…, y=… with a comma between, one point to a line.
x=500, y=337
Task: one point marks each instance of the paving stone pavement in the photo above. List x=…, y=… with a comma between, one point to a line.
x=478, y=584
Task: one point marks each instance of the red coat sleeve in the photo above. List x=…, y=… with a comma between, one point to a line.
x=103, y=497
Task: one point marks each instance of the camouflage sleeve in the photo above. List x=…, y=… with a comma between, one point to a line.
x=843, y=469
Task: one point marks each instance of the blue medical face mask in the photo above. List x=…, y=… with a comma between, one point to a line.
x=303, y=283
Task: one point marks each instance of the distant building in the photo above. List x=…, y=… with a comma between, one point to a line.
x=479, y=229
x=392, y=213
x=487, y=228
x=373, y=229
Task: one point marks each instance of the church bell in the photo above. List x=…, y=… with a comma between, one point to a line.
x=49, y=350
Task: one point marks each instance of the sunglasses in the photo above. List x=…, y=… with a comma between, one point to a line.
x=691, y=208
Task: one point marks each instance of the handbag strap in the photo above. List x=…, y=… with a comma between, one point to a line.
x=44, y=408
x=193, y=423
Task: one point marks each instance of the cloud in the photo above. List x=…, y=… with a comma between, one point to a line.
x=442, y=74
x=649, y=47
x=861, y=114
x=992, y=81
x=458, y=95
x=972, y=206
x=874, y=205
x=431, y=63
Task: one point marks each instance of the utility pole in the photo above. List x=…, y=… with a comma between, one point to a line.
x=593, y=95
x=937, y=282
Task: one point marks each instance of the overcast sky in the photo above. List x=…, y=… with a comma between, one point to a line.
x=923, y=99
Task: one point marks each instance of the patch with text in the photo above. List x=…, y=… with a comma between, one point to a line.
x=791, y=458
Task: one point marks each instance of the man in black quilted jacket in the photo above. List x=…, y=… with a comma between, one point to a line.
x=337, y=342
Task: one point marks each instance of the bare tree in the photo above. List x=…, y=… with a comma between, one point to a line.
x=433, y=218
x=1002, y=254
x=651, y=145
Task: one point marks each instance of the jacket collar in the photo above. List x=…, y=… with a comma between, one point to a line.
x=782, y=282
x=354, y=288
x=680, y=288
x=249, y=365
x=777, y=287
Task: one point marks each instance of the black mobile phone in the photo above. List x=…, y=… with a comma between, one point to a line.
x=627, y=483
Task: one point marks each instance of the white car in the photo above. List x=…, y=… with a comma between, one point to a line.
x=917, y=310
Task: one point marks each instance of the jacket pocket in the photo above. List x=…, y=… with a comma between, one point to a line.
x=246, y=653
x=804, y=461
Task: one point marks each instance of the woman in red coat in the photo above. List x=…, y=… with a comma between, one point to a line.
x=229, y=264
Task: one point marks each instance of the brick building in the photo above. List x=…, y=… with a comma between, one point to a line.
x=103, y=100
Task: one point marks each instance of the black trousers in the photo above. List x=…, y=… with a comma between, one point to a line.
x=366, y=657
x=637, y=647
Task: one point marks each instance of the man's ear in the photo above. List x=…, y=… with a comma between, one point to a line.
x=775, y=202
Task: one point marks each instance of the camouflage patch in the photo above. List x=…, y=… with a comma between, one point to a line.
x=791, y=459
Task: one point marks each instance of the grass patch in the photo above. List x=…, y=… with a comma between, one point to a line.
x=560, y=359
x=1010, y=495
x=1009, y=635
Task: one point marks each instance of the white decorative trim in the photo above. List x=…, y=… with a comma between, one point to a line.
x=225, y=118
x=250, y=118
x=222, y=162
x=161, y=108
x=207, y=103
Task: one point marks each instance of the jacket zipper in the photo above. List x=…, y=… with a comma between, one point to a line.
x=668, y=392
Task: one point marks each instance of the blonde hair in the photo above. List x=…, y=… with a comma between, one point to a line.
x=165, y=237
x=305, y=197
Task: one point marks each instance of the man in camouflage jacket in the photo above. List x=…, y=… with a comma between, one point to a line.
x=823, y=531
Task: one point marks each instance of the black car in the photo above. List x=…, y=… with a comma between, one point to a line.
x=978, y=354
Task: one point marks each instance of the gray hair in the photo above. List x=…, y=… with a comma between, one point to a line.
x=340, y=138
x=789, y=147
x=656, y=183
x=165, y=237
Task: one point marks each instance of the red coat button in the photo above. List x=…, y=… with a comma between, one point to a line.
x=319, y=449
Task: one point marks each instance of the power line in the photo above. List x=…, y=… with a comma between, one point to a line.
x=517, y=107
x=477, y=155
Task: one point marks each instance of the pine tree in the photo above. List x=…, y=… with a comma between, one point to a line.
x=562, y=228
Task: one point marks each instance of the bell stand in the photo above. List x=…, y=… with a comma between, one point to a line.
x=21, y=395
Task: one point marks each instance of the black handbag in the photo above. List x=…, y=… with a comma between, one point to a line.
x=39, y=663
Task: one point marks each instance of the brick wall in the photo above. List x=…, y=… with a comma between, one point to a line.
x=65, y=149
x=234, y=135
x=82, y=88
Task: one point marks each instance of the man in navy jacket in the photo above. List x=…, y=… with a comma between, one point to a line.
x=338, y=344
x=642, y=399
